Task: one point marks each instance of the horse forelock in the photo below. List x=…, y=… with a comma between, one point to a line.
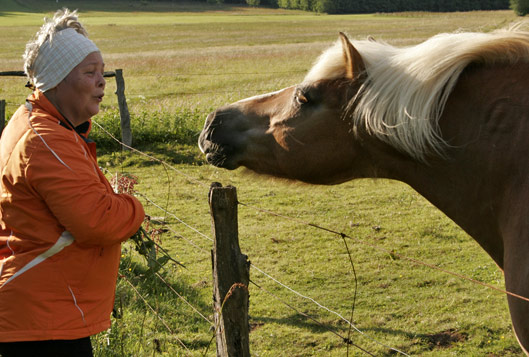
x=406, y=88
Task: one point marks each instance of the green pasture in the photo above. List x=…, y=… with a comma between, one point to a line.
x=181, y=61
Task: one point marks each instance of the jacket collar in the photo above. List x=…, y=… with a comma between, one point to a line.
x=39, y=101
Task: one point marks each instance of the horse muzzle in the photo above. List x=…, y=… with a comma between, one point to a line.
x=217, y=144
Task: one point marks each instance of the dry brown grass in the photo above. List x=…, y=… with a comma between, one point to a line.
x=204, y=59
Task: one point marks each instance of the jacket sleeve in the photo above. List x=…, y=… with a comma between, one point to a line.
x=62, y=172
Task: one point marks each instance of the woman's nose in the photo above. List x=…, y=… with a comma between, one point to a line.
x=101, y=82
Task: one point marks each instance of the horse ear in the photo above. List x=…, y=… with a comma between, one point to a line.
x=354, y=63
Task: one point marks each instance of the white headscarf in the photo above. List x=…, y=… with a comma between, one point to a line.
x=57, y=58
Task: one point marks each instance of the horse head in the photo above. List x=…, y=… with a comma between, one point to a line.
x=298, y=132
x=448, y=116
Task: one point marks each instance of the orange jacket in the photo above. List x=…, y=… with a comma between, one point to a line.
x=61, y=226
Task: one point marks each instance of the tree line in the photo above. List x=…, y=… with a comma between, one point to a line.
x=520, y=7
x=372, y=6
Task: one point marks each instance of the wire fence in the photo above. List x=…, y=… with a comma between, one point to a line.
x=286, y=287
x=205, y=240
x=209, y=240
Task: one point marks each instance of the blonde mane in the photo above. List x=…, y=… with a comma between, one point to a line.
x=406, y=89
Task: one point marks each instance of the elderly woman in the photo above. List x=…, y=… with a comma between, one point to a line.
x=61, y=224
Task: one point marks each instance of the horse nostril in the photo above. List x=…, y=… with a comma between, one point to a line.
x=221, y=129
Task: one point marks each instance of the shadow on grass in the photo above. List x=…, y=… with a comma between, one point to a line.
x=440, y=340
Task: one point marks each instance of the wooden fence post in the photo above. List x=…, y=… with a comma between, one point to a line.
x=126, y=134
x=231, y=275
x=2, y=115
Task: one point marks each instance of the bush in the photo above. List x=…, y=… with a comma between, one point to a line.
x=324, y=6
x=520, y=7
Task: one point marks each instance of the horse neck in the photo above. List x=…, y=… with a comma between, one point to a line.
x=457, y=192
x=483, y=185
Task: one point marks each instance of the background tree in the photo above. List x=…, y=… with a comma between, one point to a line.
x=520, y=7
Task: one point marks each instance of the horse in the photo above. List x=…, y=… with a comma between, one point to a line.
x=448, y=116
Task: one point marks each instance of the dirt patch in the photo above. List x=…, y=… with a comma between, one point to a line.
x=446, y=338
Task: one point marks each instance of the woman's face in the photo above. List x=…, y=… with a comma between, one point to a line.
x=79, y=94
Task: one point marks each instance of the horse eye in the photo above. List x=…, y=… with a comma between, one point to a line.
x=301, y=98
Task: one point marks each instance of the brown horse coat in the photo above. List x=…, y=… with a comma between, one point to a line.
x=450, y=117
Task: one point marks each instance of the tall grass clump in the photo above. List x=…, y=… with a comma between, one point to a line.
x=149, y=128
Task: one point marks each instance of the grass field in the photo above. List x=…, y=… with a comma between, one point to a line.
x=181, y=61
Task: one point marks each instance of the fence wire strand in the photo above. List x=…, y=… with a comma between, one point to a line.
x=341, y=234
x=166, y=164
x=176, y=217
x=154, y=312
x=346, y=340
x=170, y=287
x=184, y=299
x=210, y=239
x=391, y=252
x=349, y=322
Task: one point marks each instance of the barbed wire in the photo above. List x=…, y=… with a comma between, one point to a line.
x=171, y=288
x=390, y=252
x=180, y=236
x=341, y=234
x=192, y=179
x=349, y=322
x=271, y=277
x=176, y=217
x=154, y=311
x=177, y=74
x=184, y=299
x=346, y=340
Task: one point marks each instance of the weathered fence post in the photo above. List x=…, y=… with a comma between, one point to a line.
x=231, y=275
x=2, y=115
x=126, y=134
